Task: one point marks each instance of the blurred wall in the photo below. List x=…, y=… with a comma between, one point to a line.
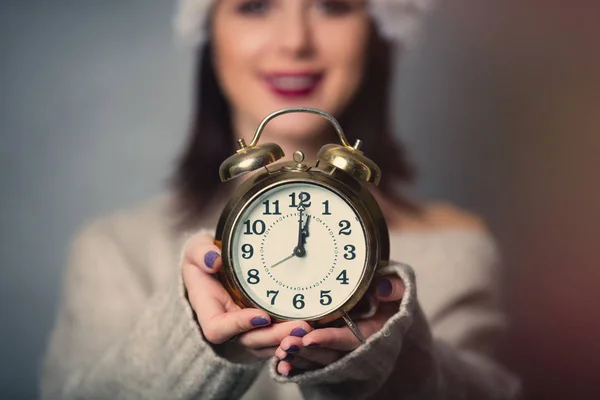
x=510, y=113
x=93, y=109
x=94, y=101
x=537, y=175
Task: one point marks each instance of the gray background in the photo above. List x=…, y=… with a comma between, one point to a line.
x=94, y=104
x=93, y=109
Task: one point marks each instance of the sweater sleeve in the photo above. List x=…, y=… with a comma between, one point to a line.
x=116, y=339
x=411, y=358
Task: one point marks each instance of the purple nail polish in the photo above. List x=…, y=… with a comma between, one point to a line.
x=298, y=332
x=288, y=357
x=293, y=349
x=259, y=321
x=210, y=257
x=313, y=345
x=384, y=288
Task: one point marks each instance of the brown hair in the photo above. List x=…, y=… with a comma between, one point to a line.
x=212, y=139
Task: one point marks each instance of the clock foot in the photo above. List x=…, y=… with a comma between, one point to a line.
x=353, y=328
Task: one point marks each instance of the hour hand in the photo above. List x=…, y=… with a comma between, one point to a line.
x=299, y=250
x=305, y=233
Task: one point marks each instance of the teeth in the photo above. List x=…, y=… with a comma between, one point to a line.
x=293, y=82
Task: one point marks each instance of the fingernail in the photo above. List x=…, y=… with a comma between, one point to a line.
x=298, y=332
x=384, y=288
x=293, y=349
x=259, y=321
x=210, y=257
x=288, y=357
x=313, y=345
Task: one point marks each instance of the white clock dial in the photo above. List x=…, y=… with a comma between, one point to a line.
x=299, y=251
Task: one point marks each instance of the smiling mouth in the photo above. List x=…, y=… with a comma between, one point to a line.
x=293, y=85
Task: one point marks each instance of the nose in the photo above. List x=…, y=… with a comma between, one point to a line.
x=294, y=35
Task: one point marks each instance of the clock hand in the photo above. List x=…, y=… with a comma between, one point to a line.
x=299, y=249
x=305, y=229
x=285, y=259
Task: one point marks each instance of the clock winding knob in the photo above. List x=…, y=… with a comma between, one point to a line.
x=298, y=156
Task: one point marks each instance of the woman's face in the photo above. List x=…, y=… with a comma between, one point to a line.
x=271, y=54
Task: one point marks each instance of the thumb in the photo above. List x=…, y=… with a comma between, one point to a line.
x=390, y=288
x=201, y=251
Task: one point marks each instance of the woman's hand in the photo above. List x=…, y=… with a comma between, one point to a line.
x=219, y=317
x=326, y=345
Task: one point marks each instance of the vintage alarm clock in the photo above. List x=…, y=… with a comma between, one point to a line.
x=301, y=240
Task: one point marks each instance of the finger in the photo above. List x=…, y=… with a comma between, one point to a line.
x=283, y=355
x=340, y=339
x=274, y=334
x=264, y=353
x=224, y=326
x=297, y=365
x=201, y=251
x=390, y=288
x=290, y=345
x=370, y=326
x=284, y=368
x=293, y=347
x=219, y=318
x=304, y=364
x=202, y=287
x=321, y=356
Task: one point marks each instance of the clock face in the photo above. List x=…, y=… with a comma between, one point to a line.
x=299, y=251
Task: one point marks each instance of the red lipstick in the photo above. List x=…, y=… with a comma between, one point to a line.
x=293, y=84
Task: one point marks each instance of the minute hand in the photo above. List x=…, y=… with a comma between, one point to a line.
x=299, y=249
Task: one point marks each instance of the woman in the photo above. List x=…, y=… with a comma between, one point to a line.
x=142, y=316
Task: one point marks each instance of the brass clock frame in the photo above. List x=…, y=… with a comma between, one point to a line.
x=343, y=169
x=323, y=174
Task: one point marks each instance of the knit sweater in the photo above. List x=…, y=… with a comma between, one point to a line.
x=126, y=331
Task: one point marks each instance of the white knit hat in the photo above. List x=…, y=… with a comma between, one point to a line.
x=397, y=19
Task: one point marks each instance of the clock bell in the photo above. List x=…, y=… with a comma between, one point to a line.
x=350, y=159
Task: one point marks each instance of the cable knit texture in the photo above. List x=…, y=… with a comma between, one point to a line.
x=125, y=329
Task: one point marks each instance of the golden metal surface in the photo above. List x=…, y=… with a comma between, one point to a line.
x=353, y=328
x=352, y=161
x=309, y=110
x=348, y=158
x=248, y=159
x=330, y=177
x=298, y=156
